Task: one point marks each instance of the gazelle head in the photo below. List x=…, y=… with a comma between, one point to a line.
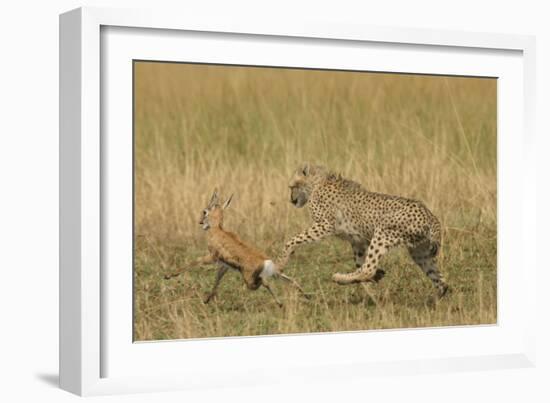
x=212, y=215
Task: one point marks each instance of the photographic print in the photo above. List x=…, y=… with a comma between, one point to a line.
x=283, y=200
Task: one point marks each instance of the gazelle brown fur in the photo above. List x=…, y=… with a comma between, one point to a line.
x=228, y=251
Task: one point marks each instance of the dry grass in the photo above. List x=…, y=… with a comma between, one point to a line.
x=244, y=130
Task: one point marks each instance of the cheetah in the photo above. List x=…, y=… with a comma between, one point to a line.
x=373, y=223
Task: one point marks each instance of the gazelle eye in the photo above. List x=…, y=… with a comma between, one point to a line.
x=205, y=212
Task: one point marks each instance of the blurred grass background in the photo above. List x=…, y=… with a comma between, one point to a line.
x=245, y=129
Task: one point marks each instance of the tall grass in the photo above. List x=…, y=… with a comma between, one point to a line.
x=244, y=130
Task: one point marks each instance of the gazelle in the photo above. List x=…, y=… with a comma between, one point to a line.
x=228, y=251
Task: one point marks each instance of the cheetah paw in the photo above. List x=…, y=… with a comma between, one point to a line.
x=352, y=278
x=379, y=275
x=344, y=279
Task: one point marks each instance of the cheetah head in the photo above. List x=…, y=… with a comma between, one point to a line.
x=301, y=184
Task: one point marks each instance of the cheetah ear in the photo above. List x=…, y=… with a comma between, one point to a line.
x=305, y=169
x=227, y=202
x=214, y=198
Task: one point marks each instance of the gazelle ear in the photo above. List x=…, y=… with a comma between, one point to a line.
x=305, y=169
x=227, y=202
x=214, y=198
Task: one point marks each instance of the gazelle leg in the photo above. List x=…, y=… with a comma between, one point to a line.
x=295, y=283
x=272, y=294
x=208, y=259
x=221, y=272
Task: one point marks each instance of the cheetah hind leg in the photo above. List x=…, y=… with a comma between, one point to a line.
x=359, y=255
x=368, y=272
x=427, y=261
x=358, y=277
x=379, y=275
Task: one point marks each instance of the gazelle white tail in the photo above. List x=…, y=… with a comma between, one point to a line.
x=269, y=269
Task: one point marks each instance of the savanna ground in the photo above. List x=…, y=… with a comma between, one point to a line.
x=244, y=130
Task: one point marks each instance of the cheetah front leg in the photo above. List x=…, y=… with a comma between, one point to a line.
x=272, y=293
x=295, y=284
x=380, y=244
x=314, y=233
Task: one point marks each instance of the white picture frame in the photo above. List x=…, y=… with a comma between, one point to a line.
x=97, y=355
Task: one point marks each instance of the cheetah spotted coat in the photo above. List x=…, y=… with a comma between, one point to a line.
x=373, y=223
